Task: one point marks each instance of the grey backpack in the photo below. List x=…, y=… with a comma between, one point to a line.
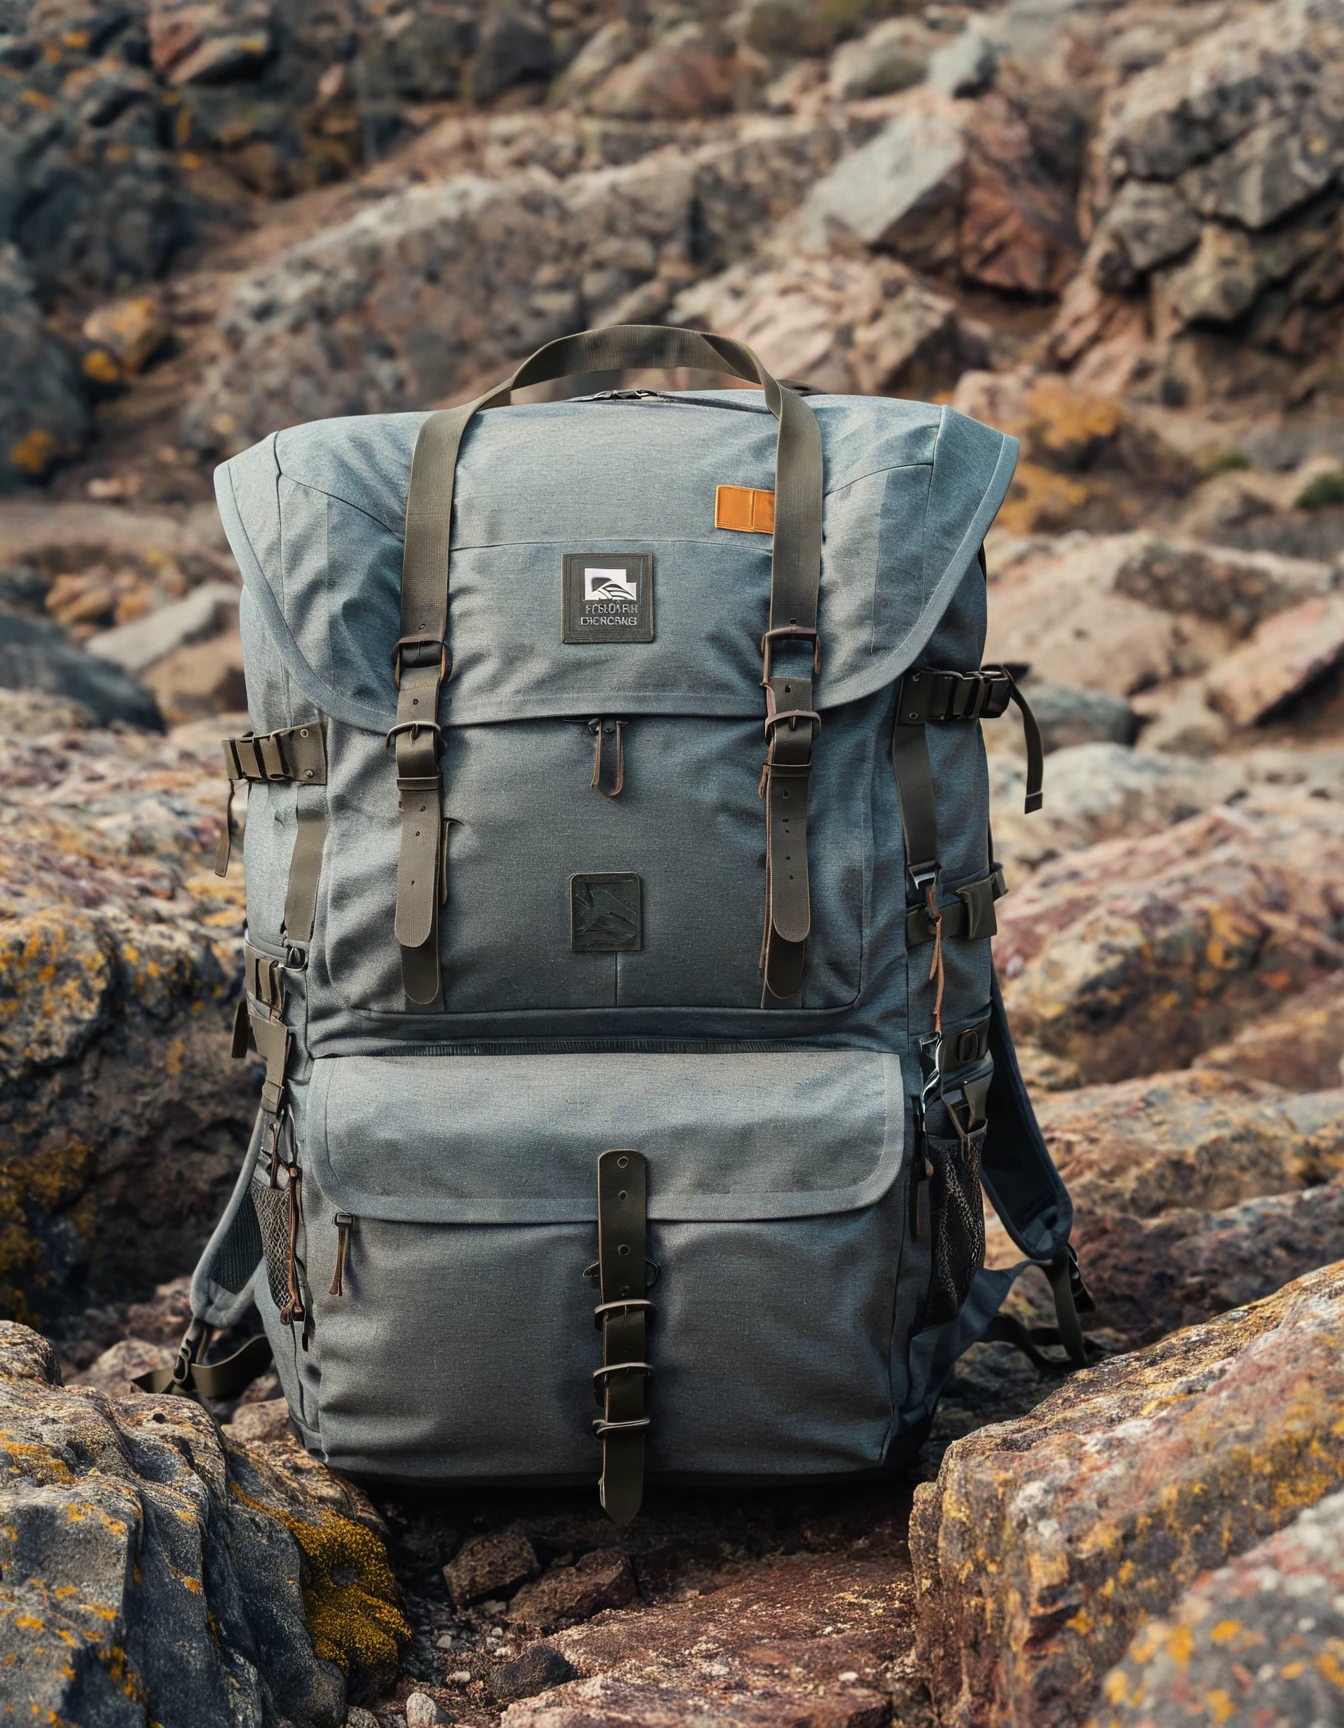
x=619, y=904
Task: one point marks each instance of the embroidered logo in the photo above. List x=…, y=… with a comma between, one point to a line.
x=607, y=597
x=606, y=914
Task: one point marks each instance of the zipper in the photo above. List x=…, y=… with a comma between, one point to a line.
x=675, y=401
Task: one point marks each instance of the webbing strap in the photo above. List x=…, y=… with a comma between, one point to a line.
x=420, y=660
x=969, y=917
x=926, y=695
x=623, y=1315
x=919, y=811
x=296, y=753
x=305, y=866
x=188, y=1378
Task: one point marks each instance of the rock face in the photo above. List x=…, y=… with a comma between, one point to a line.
x=44, y=413
x=149, y=1564
x=1213, y=182
x=446, y=286
x=1044, y=1543
x=1261, y=1637
x=121, y=1124
x=1139, y=954
x=844, y=324
x=1192, y=1138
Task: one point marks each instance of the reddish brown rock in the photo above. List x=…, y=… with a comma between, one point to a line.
x=1046, y=1542
x=1286, y=656
x=795, y=1642
x=1150, y=1276
x=121, y=1121
x=1301, y=1046
x=489, y=1566
x=565, y=1595
x=117, y=1367
x=685, y=73
x=1191, y=1138
x=845, y=324
x=1260, y=1640
x=1135, y=955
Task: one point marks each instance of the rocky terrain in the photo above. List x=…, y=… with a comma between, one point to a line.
x=1114, y=229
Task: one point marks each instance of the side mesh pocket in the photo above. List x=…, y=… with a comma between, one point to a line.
x=958, y=1223
x=272, y=1206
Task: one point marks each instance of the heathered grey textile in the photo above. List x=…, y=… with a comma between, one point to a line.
x=459, y=1142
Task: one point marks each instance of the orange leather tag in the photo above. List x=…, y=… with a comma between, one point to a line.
x=745, y=508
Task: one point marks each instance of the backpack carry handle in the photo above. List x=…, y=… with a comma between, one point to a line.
x=421, y=665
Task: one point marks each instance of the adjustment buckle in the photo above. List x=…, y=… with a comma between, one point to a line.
x=795, y=632
x=401, y=657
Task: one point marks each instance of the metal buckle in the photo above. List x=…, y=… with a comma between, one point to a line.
x=799, y=632
x=414, y=727
x=404, y=642
x=603, y=1309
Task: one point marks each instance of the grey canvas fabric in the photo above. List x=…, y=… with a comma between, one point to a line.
x=445, y=1209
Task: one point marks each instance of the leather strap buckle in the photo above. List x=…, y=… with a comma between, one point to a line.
x=794, y=632
x=403, y=656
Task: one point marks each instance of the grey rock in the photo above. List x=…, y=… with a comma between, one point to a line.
x=36, y=654
x=1237, y=589
x=135, y=647
x=1269, y=171
x=1149, y=224
x=419, y=53
x=423, y=1712
x=964, y=66
x=892, y=56
x=1068, y=715
x=898, y=193
x=44, y=412
x=1259, y=1638
x=538, y=1669
x=146, y=1561
x=514, y=46
x=785, y=26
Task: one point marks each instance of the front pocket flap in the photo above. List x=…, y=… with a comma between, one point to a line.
x=515, y=1139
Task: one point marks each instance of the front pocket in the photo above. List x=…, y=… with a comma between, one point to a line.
x=685, y=838
x=462, y=1345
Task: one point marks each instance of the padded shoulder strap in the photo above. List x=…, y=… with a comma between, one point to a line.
x=1016, y=1168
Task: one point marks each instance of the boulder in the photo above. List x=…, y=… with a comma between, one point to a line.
x=566, y=1595
x=1136, y=955
x=1151, y=1276
x=136, y=647
x=37, y=655
x=1285, y=658
x=490, y=1565
x=1300, y=1046
x=686, y=72
x=201, y=679
x=951, y=187
x=122, y=1119
x=1125, y=613
x=1261, y=1638
x=841, y=324
x=44, y=411
x=1190, y=1138
x=1047, y=1542
x=513, y=47
x=1101, y=791
x=1068, y=715
x=148, y=1559
x=892, y=56
x=538, y=1669
x=964, y=66
x=130, y=332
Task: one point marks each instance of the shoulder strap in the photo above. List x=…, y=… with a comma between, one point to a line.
x=1016, y=1168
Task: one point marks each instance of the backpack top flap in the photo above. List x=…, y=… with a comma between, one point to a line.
x=315, y=518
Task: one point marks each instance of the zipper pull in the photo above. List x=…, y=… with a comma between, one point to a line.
x=343, y=1221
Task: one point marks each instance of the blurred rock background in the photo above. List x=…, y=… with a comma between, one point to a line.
x=1116, y=230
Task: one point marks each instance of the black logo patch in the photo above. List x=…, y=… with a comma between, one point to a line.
x=607, y=597
x=606, y=914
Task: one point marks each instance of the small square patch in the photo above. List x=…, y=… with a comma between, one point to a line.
x=606, y=914
x=607, y=597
